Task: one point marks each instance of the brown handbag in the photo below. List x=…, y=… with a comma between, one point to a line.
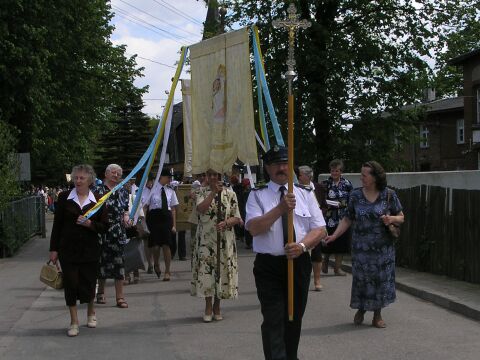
x=393, y=229
x=51, y=275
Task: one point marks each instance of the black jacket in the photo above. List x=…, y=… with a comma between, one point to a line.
x=76, y=243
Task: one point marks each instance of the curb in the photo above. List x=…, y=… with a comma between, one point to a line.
x=435, y=298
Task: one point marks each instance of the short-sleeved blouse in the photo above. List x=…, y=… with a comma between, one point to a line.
x=337, y=192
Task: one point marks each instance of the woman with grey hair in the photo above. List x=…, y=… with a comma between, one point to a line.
x=74, y=242
x=112, y=261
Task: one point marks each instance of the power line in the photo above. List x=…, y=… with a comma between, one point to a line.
x=153, y=61
x=150, y=24
x=161, y=99
x=178, y=12
x=161, y=20
x=138, y=20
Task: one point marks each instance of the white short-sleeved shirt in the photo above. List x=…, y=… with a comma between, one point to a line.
x=156, y=197
x=145, y=195
x=307, y=216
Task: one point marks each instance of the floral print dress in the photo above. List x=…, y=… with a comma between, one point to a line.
x=373, y=251
x=205, y=280
x=112, y=259
x=337, y=192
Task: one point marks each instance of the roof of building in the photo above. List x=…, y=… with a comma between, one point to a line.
x=439, y=105
x=459, y=60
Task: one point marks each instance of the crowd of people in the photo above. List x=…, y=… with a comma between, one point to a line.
x=330, y=218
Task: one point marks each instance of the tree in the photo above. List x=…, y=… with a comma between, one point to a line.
x=127, y=139
x=8, y=167
x=61, y=76
x=359, y=58
x=458, y=37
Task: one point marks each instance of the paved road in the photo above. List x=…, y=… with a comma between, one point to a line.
x=164, y=322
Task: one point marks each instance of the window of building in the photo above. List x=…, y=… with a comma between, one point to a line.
x=460, y=131
x=423, y=137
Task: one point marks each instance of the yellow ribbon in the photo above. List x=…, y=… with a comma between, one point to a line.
x=162, y=129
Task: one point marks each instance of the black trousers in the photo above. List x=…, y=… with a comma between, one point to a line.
x=281, y=337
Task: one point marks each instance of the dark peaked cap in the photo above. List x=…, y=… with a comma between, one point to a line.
x=276, y=154
x=165, y=172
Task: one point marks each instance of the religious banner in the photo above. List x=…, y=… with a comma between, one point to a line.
x=222, y=104
x=187, y=126
x=185, y=207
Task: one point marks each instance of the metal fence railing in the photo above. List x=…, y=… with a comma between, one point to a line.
x=19, y=221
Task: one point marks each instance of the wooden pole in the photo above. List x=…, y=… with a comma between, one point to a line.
x=219, y=234
x=292, y=24
x=290, y=212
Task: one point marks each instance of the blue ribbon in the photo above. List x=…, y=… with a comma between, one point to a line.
x=138, y=196
x=271, y=111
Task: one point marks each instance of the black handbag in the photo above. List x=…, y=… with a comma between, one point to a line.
x=393, y=229
x=131, y=231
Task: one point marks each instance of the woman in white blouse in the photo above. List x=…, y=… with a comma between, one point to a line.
x=161, y=221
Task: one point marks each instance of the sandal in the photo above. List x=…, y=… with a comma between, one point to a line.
x=378, y=322
x=358, y=318
x=101, y=299
x=325, y=266
x=121, y=303
x=340, y=273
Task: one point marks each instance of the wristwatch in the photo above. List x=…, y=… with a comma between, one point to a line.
x=304, y=247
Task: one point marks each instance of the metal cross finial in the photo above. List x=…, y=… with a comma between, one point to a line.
x=291, y=24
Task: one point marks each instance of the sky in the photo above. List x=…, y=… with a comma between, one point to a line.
x=155, y=30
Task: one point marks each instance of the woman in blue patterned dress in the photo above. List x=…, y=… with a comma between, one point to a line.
x=337, y=190
x=373, y=251
x=112, y=259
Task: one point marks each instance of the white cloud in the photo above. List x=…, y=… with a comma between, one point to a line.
x=157, y=45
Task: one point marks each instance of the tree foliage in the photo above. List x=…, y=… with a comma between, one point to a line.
x=457, y=37
x=8, y=166
x=61, y=77
x=358, y=59
x=126, y=140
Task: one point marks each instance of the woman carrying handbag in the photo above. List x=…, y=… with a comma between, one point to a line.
x=74, y=242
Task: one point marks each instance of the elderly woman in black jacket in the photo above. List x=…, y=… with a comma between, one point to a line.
x=74, y=241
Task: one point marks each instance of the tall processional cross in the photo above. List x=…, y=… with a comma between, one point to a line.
x=292, y=24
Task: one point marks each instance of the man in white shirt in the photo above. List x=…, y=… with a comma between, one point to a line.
x=266, y=212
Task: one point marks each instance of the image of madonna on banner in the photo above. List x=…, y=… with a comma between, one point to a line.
x=222, y=122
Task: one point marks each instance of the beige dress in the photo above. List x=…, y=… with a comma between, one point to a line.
x=205, y=282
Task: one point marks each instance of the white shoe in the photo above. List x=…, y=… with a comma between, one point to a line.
x=207, y=318
x=218, y=317
x=92, y=321
x=73, y=330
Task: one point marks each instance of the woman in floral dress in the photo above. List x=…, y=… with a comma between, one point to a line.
x=337, y=190
x=112, y=259
x=213, y=280
x=371, y=209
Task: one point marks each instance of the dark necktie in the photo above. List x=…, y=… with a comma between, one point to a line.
x=164, y=200
x=282, y=190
